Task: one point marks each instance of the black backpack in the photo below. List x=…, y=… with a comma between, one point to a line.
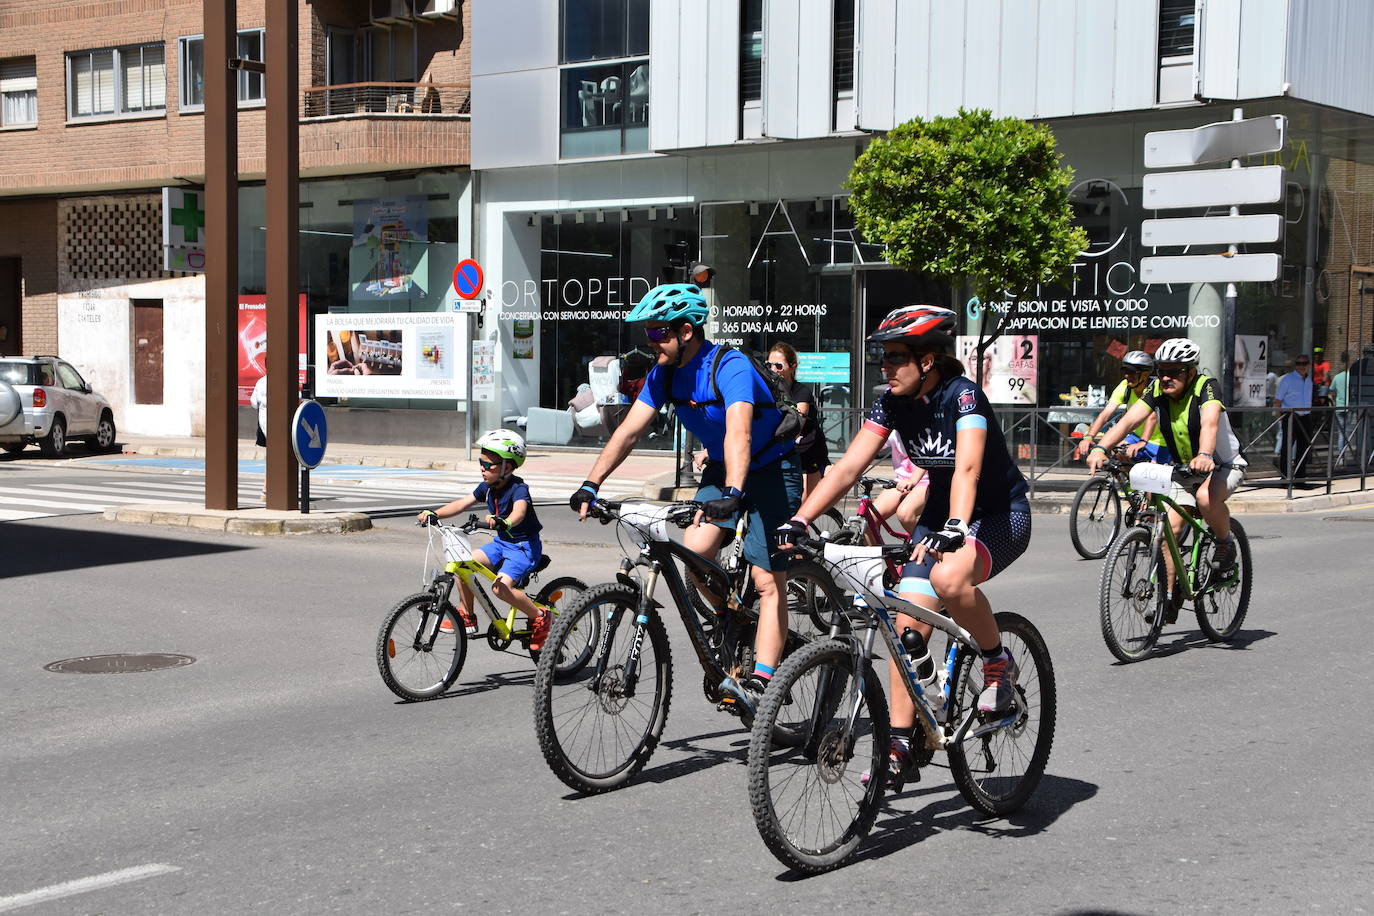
x=791, y=423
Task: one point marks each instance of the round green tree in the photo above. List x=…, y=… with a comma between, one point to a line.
x=972, y=199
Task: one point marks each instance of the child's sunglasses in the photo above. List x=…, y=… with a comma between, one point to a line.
x=488, y=465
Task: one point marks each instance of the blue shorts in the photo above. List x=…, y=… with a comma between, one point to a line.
x=771, y=494
x=516, y=559
x=1159, y=454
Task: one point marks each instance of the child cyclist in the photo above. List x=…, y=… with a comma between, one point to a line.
x=976, y=519
x=908, y=498
x=516, y=549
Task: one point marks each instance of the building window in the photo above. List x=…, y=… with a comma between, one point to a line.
x=251, y=88
x=116, y=81
x=751, y=51
x=605, y=80
x=842, y=67
x=18, y=92
x=1176, y=21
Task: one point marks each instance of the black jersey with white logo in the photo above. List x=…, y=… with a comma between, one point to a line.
x=928, y=427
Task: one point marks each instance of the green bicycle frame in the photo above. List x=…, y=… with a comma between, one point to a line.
x=1200, y=533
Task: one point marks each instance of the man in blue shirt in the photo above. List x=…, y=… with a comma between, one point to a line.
x=743, y=455
x=1294, y=397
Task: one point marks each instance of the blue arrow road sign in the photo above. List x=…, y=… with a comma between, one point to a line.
x=309, y=434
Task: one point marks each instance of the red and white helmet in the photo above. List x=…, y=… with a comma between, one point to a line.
x=918, y=324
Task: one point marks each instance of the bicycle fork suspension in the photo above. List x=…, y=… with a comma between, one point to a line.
x=630, y=672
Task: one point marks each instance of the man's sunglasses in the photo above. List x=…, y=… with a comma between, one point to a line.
x=1303, y=362
x=1173, y=370
x=658, y=335
x=488, y=465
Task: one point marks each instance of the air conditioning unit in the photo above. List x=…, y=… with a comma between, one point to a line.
x=437, y=9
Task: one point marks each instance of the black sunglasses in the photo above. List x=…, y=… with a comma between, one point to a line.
x=1172, y=370
x=896, y=358
x=1303, y=362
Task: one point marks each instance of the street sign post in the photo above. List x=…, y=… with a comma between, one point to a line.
x=309, y=434
x=1211, y=230
x=1213, y=187
x=1217, y=142
x=1230, y=188
x=1210, y=268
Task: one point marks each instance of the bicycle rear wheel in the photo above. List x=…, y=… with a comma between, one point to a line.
x=1221, y=609
x=1095, y=518
x=997, y=772
x=809, y=803
x=1134, y=590
x=830, y=522
x=596, y=726
x=417, y=660
x=560, y=594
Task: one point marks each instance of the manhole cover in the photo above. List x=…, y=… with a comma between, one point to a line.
x=119, y=664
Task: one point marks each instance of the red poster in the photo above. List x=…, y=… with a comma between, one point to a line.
x=253, y=343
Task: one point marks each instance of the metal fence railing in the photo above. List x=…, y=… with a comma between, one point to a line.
x=401, y=99
x=1327, y=445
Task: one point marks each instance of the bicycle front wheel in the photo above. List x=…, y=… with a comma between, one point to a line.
x=417, y=658
x=814, y=601
x=1095, y=518
x=997, y=772
x=1134, y=590
x=809, y=801
x=559, y=595
x=598, y=725
x=827, y=524
x=1221, y=609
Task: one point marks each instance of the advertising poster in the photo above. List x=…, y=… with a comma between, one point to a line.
x=484, y=370
x=823, y=368
x=1009, y=366
x=388, y=260
x=1252, y=366
x=253, y=344
x=390, y=355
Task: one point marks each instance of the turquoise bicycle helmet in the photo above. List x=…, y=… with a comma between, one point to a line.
x=671, y=302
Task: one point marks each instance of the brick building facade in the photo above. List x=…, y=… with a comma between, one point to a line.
x=99, y=110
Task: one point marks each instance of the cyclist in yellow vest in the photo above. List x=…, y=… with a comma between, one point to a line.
x=1136, y=366
x=1193, y=422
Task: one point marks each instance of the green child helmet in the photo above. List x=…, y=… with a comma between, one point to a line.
x=504, y=443
x=671, y=302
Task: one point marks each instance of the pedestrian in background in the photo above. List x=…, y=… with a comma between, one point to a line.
x=258, y=401
x=811, y=445
x=1293, y=403
x=1339, y=392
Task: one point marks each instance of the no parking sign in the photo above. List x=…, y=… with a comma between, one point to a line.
x=467, y=279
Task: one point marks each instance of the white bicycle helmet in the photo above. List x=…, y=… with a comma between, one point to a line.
x=1138, y=360
x=1177, y=350
x=506, y=443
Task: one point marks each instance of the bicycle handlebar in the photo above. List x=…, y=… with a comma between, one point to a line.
x=869, y=483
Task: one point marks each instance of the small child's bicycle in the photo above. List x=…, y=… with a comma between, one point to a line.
x=419, y=658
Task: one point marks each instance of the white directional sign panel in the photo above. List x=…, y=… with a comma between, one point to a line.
x=1210, y=268
x=1211, y=230
x=1215, y=142
x=1213, y=187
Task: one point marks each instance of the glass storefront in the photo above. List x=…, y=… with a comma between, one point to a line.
x=367, y=245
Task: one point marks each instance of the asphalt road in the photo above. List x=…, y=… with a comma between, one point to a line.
x=277, y=774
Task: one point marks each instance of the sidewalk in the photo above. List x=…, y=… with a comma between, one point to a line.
x=652, y=473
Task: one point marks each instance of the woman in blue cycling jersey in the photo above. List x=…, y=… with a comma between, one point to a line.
x=976, y=519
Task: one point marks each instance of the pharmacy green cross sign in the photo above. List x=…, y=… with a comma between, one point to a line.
x=191, y=218
x=183, y=241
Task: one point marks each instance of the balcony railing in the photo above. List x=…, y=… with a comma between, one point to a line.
x=387, y=99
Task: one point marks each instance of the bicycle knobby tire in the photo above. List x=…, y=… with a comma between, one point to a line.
x=596, y=740
x=1220, y=612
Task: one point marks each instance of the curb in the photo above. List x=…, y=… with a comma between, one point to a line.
x=256, y=522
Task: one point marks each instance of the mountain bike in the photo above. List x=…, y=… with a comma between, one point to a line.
x=1102, y=504
x=810, y=800
x=598, y=725
x=1137, y=600
x=419, y=657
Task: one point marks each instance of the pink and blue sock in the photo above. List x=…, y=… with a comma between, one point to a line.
x=764, y=672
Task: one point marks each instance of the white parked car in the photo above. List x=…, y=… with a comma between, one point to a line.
x=54, y=405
